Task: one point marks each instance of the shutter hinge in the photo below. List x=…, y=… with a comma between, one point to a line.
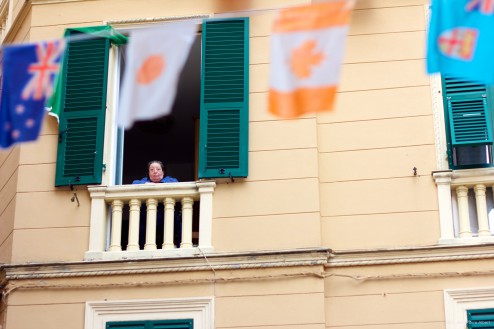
x=104, y=167
x=222, y=172
x=74, y=195
x=61, y=133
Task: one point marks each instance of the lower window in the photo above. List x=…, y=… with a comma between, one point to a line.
x=483, y=318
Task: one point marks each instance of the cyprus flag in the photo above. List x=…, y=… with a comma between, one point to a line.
x=307, y=47
x=155, y=58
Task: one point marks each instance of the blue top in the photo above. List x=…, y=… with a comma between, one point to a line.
x=167, y=179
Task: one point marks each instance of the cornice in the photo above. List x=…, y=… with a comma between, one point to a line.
x=250, y=260
x=426, y=254
x=209, y=262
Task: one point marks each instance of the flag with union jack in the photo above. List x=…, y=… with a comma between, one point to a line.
x=460, y=39
x=485, y=7
x=28, y=73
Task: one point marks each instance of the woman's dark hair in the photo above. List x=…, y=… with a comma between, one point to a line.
x=158, y=162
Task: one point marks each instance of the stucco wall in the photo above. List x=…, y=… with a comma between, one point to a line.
x=278, y=199
x=398, y=296
x=287, y=300
x=9, y=160
x=381, y=129
x=343, y=178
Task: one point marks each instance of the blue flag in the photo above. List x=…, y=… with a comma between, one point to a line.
x=461, y=39
x=28, y=73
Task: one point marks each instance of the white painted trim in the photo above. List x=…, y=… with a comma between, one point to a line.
x=200, y=309
x=458, y=301
x=110, y=134
x=127, y=25
x=437, y=109
x=439, y=122
x=443, y=182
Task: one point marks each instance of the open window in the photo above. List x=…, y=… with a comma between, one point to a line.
x=205, y=136
x=171, y=139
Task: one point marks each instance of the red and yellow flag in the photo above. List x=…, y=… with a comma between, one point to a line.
x=307, y=47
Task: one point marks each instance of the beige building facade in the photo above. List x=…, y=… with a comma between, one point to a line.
x=347, y=219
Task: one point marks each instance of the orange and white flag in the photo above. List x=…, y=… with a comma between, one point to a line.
x=307, y=47
x=155, y=58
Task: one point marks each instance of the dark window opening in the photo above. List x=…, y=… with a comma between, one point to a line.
x=171, y=139
x=477, y=155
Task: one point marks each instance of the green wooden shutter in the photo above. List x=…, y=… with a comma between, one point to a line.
x=480, y=318
x=82, y=119
x=223, y=141
x=468, y=112
x=155, y=324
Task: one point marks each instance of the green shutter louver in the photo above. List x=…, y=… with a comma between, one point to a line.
x=82, y=117
x=480, y=319
x=468, y=112
x=126, y=325
x=223, y=148
x=154, y=324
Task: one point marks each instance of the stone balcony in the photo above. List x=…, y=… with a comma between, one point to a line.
x=148, y=204
x=466, y=205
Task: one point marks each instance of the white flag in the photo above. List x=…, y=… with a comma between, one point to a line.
x=307, y=47
x=155, y=58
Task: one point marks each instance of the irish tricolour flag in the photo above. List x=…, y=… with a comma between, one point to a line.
x=307, y=47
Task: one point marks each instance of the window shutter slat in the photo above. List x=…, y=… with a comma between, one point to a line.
x=126, y=325
x=468, y=112
x=82, y=119
x=480, y=318
x=223, y=149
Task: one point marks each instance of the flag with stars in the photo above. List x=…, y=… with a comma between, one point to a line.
x=307, y=47
x=460, y=39
x=28, y=72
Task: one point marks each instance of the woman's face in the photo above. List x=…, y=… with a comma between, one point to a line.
x=156, y=173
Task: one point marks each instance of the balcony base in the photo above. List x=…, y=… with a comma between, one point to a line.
x=138, y=254
x=467, y=241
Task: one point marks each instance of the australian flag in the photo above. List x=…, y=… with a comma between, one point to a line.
x=28, y=74
x=461, y=39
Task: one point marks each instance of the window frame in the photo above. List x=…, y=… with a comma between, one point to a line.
x=458, y=301
x=200, y=309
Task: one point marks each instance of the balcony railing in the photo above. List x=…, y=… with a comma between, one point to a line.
x=466, y=205
x=112, y=205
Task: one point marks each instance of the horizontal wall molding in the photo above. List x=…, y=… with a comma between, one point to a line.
x=198, y=262
x=473, y=251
